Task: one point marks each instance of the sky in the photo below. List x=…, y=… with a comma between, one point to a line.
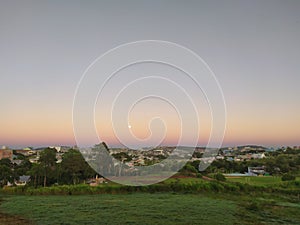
x=251, y=46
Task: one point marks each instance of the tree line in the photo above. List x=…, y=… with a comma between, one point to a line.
x=73, y=169
x=276, y=163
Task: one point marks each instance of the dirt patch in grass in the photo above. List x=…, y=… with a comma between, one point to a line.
x=12, y=219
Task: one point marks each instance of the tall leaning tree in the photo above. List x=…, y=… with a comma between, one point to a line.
x=48, y=162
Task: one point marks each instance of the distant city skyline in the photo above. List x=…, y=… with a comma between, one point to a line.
x=251, y=46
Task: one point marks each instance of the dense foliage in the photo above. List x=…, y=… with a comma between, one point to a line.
x=276, y=163
x=73, y=169
x=288, y=177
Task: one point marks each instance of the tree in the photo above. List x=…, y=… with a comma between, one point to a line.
x=36, y=174
x=6, y=174
x=188, y=169
x=122, y=156
x=220, y=177
x=6, y=162
x=74, y=168
x=47, y=161
x=100, y=160
x=6, y=171
x=23, y=168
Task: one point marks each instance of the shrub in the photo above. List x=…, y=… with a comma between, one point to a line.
x=253, y=205
x=199, y=175
x=287, y=177
x=216, y=187
x=220, y=177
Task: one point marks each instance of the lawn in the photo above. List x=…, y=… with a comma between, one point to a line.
x=145, y=208
x=74, y=205
x=259, y=180
x=135, y=208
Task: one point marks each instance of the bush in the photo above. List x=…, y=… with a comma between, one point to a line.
x=287, y=177
x=253, y=205
x=220, y=177
x=199, y=175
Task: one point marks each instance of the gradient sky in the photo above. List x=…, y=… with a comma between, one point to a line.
x=252, y=47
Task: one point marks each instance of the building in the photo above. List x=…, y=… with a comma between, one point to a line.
x=23, y=180
x=96, y=181
x=25, y=151
x=258, y=156
x=256, y=171
x=6, y=154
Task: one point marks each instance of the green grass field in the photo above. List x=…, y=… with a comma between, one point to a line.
x=259, y=180
x=175, y=201
x=122, y=209
x=263, y=180
x=144, y=208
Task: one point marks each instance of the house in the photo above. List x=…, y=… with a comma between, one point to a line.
x=56, y=148
x=207, y=159
x=59, y=156
x=17, y=161
x=159, y=151
x=256, y=171
x=9, y=184
x=25, y=151
x=258, y=156
x=230, y=158
x=220, y=157
x=95, y=181
x=23, y=180
x=6, y=153
x=34, y=159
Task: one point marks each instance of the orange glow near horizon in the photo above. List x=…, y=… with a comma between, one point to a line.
x=44, y=128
